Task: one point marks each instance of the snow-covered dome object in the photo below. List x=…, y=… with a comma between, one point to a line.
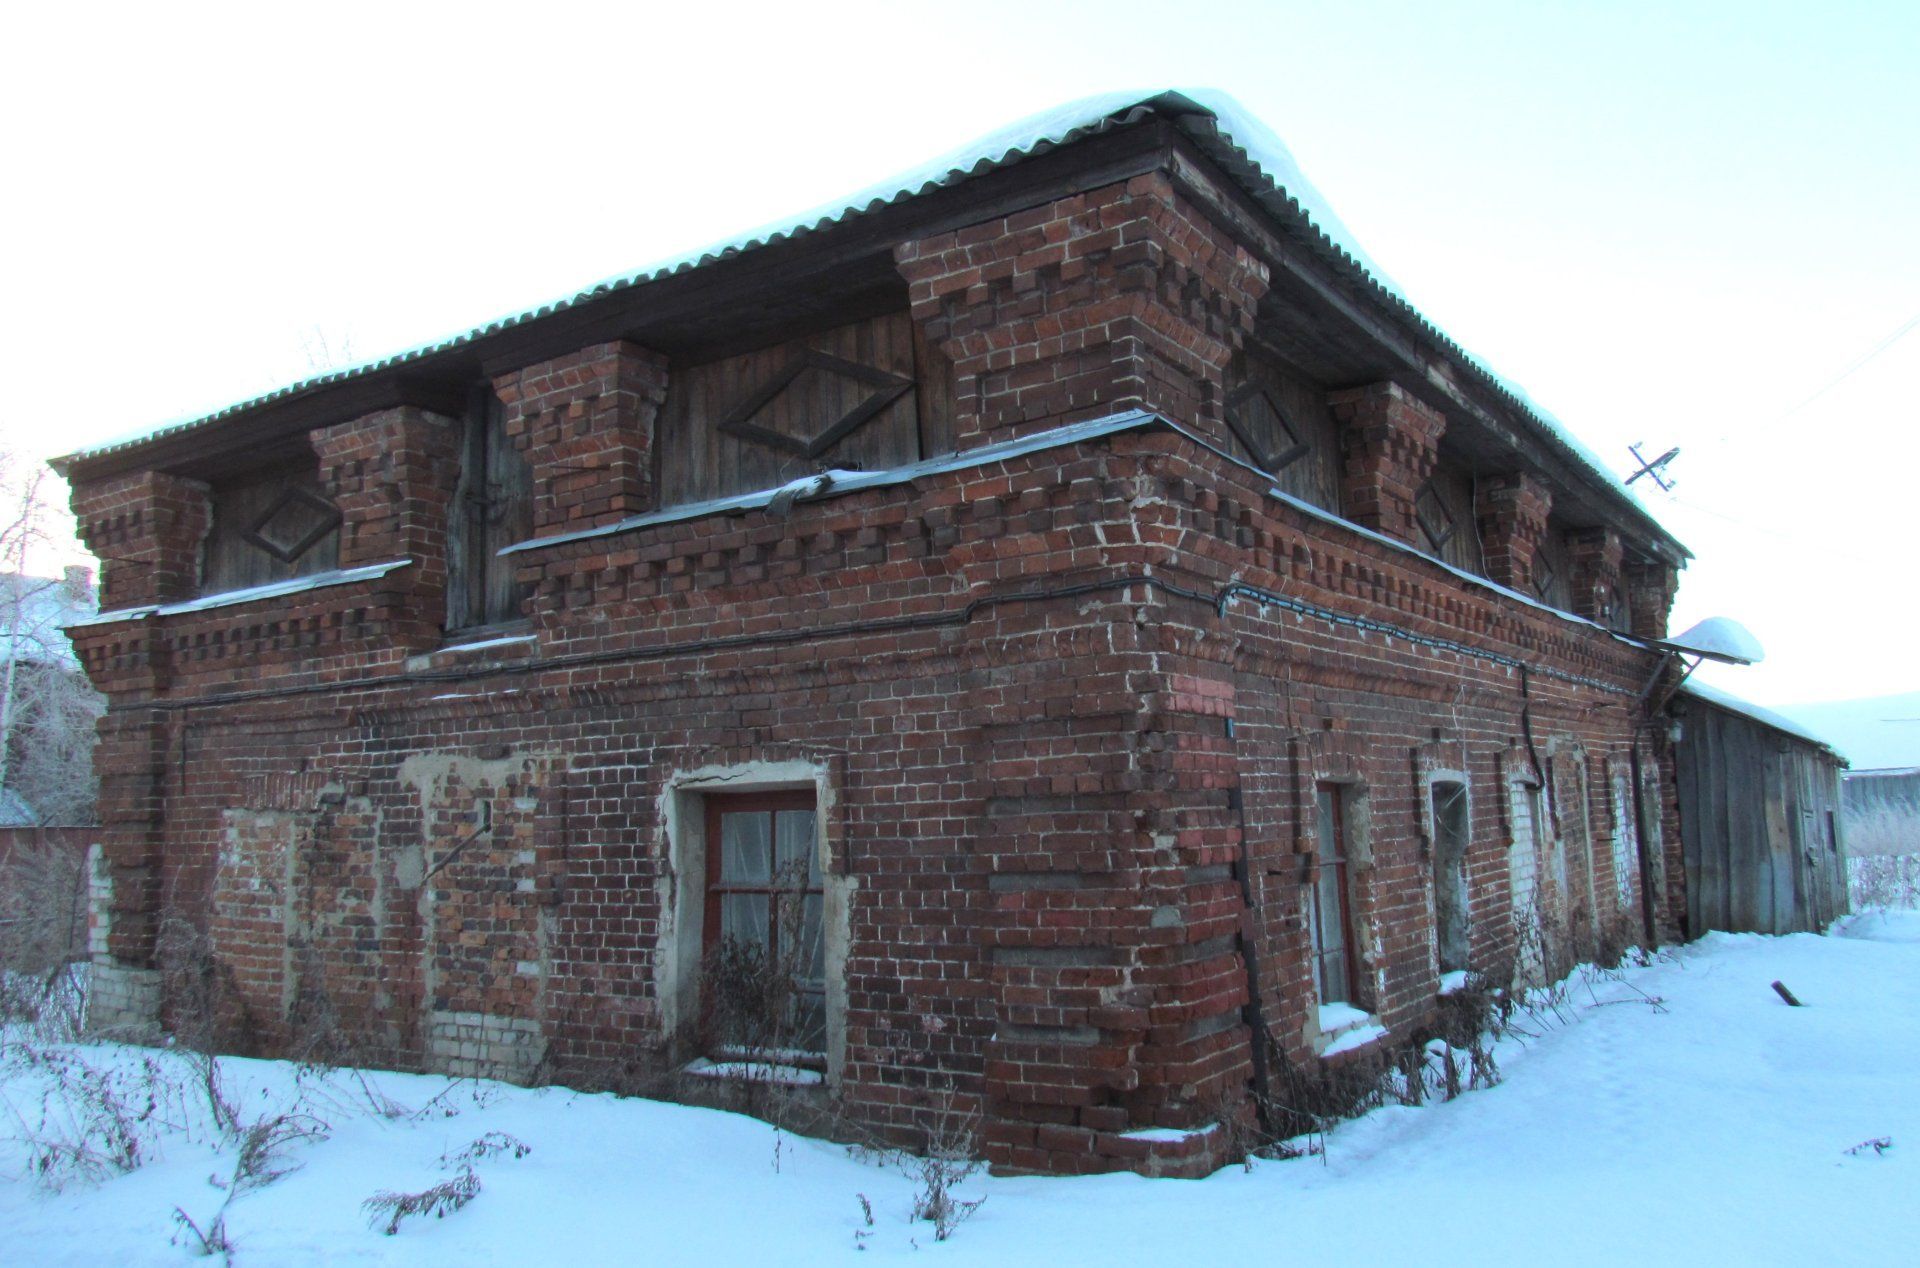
x=1720, y=638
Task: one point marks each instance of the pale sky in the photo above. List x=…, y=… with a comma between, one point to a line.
x=1671, y=223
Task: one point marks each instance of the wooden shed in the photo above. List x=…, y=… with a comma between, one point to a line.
x=1759, y=817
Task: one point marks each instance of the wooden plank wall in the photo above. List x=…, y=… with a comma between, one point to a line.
x=696, y=460
x=1757, y=827
x=230, y=562
x=1315, y=477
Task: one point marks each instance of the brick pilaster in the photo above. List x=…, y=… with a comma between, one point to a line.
x=1596, y=556
x=585, y=422
x=1121, y=297
x=147, y=529
x=1389, y=443
x=1512, y=512
x=392, y=474
x=1650, y=589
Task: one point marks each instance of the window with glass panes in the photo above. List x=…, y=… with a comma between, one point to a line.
x=1333, y=959
x=764, y=893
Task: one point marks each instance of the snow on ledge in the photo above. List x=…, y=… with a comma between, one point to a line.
x=272, y=590
x=1453, y=983
x=754, y=1072
x=1169, y=1135
x=1359, y=1037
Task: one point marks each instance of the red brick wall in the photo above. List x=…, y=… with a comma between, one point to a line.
x=1056, y=703
x=585, y=422
x=1117, y=298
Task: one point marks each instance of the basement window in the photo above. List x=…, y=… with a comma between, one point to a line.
x=1258, y=423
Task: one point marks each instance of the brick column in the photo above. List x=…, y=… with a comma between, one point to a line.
x=127, y=661
x=1389, y=443
x=1650, y=588
x=1121, y=297
x=585, y=423
x=1512, y=512
x=147, y=529
x=392, y=474
x=1596, y=554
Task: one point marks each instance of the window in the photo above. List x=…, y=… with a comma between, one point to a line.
x=1450, y=918
x=492, y=508
x=764, y=930
x=1335, y=970
x=270, y=525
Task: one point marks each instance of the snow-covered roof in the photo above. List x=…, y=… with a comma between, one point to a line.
x=1250, y=151
x=1747, y=709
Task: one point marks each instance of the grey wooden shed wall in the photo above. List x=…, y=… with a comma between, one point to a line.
x=1759, y=825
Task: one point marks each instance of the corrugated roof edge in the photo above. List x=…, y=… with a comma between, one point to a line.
x=1239, y=141
x=1766, y=717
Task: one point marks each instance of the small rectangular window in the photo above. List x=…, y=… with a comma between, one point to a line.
x=764, y=982
x=1334, y=967
x=1450, y=914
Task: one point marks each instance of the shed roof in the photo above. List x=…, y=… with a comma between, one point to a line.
x=1765, y=717
x=1247, y=149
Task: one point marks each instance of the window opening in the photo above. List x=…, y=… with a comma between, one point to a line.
x=1450, y=832
x=492, y=509
x=1435, y=519
x=764, y=987
x=1334, y=969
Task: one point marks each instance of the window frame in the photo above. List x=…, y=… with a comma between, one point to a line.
x=1336, y=797
x=715, y=889
x=1462, y=797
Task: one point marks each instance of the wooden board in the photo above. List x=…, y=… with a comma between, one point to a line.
x=869, y=395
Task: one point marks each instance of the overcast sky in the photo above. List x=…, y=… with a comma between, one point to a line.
x=1671, y=223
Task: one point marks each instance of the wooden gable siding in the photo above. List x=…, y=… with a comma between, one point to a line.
x=762, y=418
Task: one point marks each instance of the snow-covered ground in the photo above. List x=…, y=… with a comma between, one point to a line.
x=1682, y=1114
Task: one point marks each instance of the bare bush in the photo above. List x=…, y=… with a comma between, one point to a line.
x=1883, y=881
x=1888, y=827
x=88, y=1121
x=951, y=1155
x=43, y=935
x=387, y=1209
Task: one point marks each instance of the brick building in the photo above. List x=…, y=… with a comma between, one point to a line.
x=1064, y=613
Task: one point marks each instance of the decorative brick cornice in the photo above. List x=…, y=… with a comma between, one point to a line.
x=1120, y=297
x=1389, y=443
x=1512, y=510
x=585, y=422
x=147, y=529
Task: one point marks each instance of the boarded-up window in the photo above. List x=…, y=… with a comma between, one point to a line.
x=1281, y=425
x=1553, y=571
x=1443, y=511
x=268, y=526
x=492, y=508
x=868, y=396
